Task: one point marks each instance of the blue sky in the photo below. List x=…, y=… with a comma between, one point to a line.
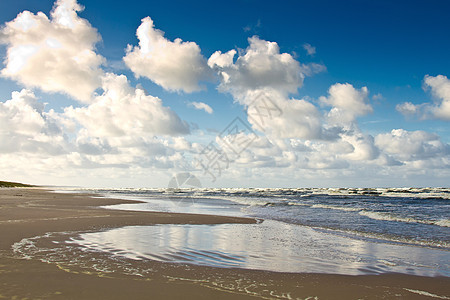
x=386, y=47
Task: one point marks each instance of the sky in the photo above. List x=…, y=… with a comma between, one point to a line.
x=239, y=94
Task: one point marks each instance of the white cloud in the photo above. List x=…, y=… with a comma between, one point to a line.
x=261, y=67
x=40, y=145
x=440, y=88
x=315, y=142
x=261, y=79
x=26, y=127
x=33, y=141
x=440, y=109
x=412, y=145
x=124, y=133
x=57, y=54
x=123, y=110
x=281, y=117
x=407, y=108
x=378, y=97
x=310, y=50
x=201, y=105
x=22, y=114
x=122, y=128
x=347, y=102
x=353, y=159
x=176, y=66
x=312, y=68
x=301, y=154
x=221, y=60
x=363, y=147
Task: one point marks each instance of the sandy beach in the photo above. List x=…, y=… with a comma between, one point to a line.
x=32, y=212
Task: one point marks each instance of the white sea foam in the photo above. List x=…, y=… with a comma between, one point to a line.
x=424, y=193
x=443, y=223
x=423, y=293
x=385, y=238
x=382, y=216
x=251, y=201
x=335, y=207
x=312, y=206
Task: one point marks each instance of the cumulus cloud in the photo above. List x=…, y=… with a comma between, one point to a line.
x=22, y=114
x=44, y=142
x=26, y=127
x=296, y=154
x=299, y=136
x=440, y=88
x=201, y=106
x=440, y=109
x=125, y=129
x=123, y=110
x=221, y=60
x=56, y=54
x=262, y=66
x=261, y=78
x=408, y=108
x=281, y=117
x=122, y=127
x=362, y=147
x=176, y=66
x=348, y=103
x=412, y=145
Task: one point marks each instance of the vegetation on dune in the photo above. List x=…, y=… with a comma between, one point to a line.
x=7, y=184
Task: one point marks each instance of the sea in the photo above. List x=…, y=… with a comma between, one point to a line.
x=351, y=231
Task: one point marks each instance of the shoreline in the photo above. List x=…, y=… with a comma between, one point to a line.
x=26, y=213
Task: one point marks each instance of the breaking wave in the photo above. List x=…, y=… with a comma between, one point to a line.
x=383, y=216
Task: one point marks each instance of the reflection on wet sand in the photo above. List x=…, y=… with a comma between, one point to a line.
x=271, y=245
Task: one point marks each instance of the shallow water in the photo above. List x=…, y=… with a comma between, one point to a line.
x=272, y=246
x=338, y=231
x=413, y=216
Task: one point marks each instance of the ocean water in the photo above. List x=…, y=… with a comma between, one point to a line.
x=338, y=231
x=415, y=216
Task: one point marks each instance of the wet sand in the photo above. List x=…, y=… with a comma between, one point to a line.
x=26, y=213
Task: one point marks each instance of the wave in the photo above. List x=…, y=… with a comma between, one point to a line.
x=422, y=193
x=427, y=294
x=385, y=238
x=443, y=223
x=336, y=207
x=382, y=216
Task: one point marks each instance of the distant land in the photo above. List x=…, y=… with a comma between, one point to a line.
x=4, y=184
